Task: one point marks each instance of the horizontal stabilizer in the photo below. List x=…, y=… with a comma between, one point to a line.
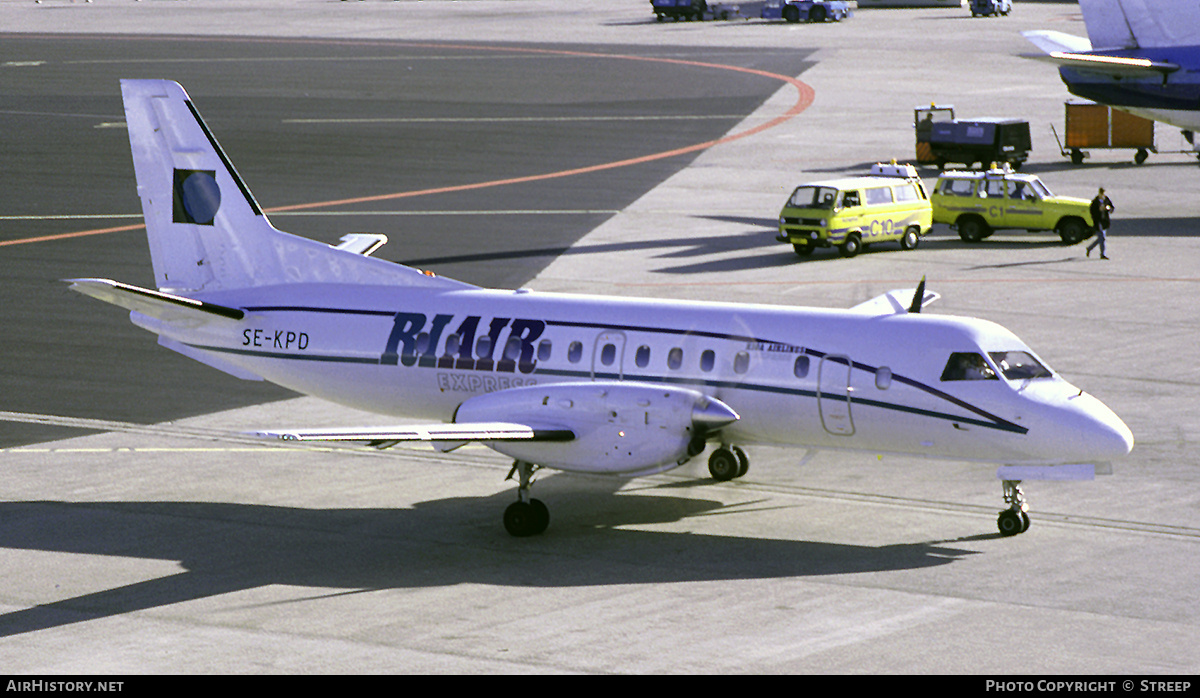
x=897, y=302
x=155, y=304
x=362, y=243
x=389, y=436
x=1115, y=66
x=1055, y=42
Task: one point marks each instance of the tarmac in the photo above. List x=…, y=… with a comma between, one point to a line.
x=134, y=545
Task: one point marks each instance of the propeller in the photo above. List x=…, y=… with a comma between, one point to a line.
x=918, y=297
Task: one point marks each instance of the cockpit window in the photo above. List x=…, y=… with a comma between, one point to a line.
x=968, y=366
x=1019, y=365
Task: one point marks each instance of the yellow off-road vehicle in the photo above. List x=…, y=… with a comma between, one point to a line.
x=978, y=202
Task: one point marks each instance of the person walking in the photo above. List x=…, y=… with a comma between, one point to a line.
x=1101, y=207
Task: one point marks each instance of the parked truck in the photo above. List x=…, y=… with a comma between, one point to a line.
x=982, y=141
x=806, y=10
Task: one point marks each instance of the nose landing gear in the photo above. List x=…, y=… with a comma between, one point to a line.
x=1013, y=520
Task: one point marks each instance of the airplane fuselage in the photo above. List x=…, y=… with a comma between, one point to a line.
x=814, y=377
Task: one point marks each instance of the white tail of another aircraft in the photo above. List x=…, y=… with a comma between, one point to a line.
x=1141, y=23
x=205, y=229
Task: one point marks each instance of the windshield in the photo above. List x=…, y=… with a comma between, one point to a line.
x=1019, y=365
x=813, y=197
x=967, y=366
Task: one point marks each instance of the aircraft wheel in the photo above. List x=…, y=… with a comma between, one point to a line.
x=723, y=465
x=743, y=461
x=522, y=519
x=1011, y=522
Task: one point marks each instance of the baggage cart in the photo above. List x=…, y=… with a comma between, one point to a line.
x=1090, y=125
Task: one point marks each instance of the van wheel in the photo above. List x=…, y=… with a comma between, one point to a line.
x=1072, y=231
x=911, y=238
x=851, y=246
x=972, y=228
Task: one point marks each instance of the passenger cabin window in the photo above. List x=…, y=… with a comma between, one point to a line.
x=883, y=378
x=512, y=349
x=879, y=195
x=642, y=357
x=544, y=348
x=968, y=366
x=608, y=354
x=708, y=359
x=741, y=362
x=575, y=352
x=1019, y=365
x=452, y=345
x=483, y=347
x=800, y=368
x=675, y=358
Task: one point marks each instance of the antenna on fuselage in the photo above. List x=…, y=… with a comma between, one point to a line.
x=918, y=297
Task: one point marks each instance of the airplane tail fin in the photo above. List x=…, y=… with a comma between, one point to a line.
x=1141, y=23
x=205, y=229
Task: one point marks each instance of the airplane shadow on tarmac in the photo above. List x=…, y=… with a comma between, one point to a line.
x=226, y=547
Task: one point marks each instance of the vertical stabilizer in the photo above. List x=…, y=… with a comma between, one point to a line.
x=206, y=231
x=1141, y=23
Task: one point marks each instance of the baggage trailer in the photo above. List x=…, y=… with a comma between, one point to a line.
x=982, y=141
x=1090, y=125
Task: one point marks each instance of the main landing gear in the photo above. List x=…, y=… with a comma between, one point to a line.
x=526, y=516
x=1013, y=520
x=530, y=517
x=727, y=463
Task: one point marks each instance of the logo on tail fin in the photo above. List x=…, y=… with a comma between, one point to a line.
x=197, y=197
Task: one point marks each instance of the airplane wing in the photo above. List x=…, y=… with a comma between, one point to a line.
x=444, y=437
x=155, y=304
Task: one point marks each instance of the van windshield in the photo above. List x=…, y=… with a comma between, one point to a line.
x=813, y=197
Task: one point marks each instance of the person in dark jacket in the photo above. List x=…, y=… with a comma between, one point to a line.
x=1101, y=207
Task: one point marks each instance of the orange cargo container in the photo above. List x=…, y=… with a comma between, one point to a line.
x=1100, y=126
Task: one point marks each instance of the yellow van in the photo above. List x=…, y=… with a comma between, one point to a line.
x=889, y=205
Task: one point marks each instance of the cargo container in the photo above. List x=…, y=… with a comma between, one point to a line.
x=1090, y=125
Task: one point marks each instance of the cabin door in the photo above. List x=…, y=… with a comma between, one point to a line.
x=833, y=394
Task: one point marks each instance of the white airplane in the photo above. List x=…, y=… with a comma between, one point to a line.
x=1141, y=56
x=579, y=383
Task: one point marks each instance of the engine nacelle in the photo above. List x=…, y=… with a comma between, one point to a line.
x=619, y=427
